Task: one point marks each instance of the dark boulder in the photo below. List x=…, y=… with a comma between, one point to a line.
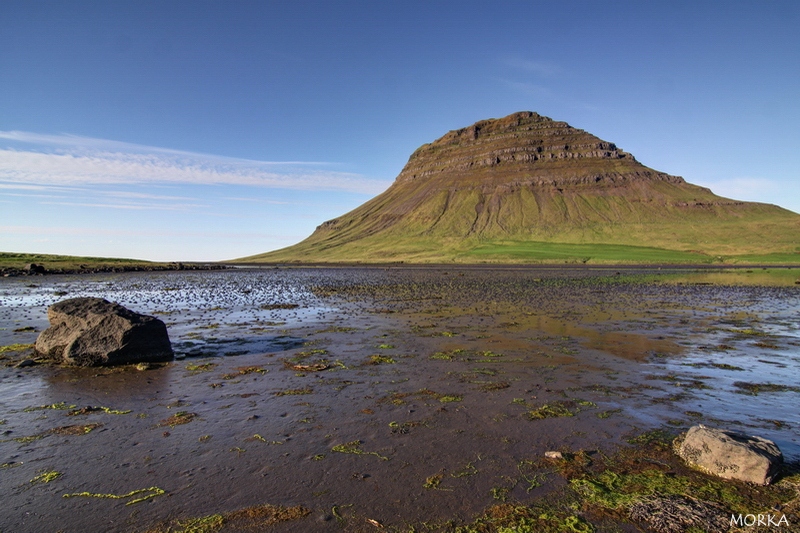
x=33, y=268
x=96, y=332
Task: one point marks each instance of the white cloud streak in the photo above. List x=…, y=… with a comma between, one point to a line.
x=755, y=189
x=529, y=89
x=158, y=207
x=77, y=142
x=85, y=161
x=258, y=200
x=138, y=233
x=538, y=68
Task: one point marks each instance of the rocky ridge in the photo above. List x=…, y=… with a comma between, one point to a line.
x=523, y=142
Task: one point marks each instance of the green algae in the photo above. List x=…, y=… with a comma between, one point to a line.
x=143, y=495
x=79, y=429
x=354, y=447
x=203, y=524
x=46, y=477
x=754, y=389
x=433, y=482
x=380, y=360
x=295, y=392
x=93, y=409
x=449, y=398
x=555, y=409
x=15, y=348
x=178, y=419
x=200, y=367
x=62, y=406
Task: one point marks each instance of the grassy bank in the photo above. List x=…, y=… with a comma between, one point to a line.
x=547, y=252
x=68, y=262
x=523, y=252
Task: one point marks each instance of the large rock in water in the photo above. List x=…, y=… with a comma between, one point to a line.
x=96, y=332
x=731, y=455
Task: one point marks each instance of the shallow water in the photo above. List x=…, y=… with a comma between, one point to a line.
x=748, y=357
x=433, y=372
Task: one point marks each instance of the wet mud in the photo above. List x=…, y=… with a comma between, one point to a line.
x=373, y=398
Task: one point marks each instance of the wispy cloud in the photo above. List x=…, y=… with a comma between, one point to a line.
x=137, y=232
x=765, y=190
x=541, y=80
x=754, y=189
x=530, y=89
x=99, y=197
x=23, y=187
x=538, y=68
x=78, y=142
x=768, y=191
x=158, y=207
x=258, y=200
x=142, y=195
x=66, y=160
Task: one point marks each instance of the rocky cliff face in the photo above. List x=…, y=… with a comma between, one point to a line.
x=526, y=149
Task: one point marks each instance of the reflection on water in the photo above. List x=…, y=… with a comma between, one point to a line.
x=761, y=277
x=207, y=313
x=17, y=388
x=628, y=345
x=745, y=368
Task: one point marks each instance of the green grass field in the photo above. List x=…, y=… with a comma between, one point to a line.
x=516, y=252
x=546, y=252
x=66, y=262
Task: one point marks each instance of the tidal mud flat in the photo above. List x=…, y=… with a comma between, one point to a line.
x=359, y=399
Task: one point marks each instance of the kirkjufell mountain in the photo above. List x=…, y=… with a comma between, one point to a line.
x=526, y=188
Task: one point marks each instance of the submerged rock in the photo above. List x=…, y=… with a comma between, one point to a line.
x=731, y=455
x=96, y=332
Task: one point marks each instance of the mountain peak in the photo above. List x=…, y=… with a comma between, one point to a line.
x=506, y=189
x=524, y=146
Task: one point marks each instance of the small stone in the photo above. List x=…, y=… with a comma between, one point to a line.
x=554, y=455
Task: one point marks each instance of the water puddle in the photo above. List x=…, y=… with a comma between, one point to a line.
x=749, y=377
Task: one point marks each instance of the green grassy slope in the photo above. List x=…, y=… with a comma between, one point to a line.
x=525, y=188
x=669, y=225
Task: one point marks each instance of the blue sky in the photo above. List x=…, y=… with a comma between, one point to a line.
x=212, y=130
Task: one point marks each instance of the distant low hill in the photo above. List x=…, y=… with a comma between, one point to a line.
x=525, y=188
x=14, y=264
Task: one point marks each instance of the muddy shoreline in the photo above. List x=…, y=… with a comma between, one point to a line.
x=549, y=267
x=41, y=270
x=406, y=396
